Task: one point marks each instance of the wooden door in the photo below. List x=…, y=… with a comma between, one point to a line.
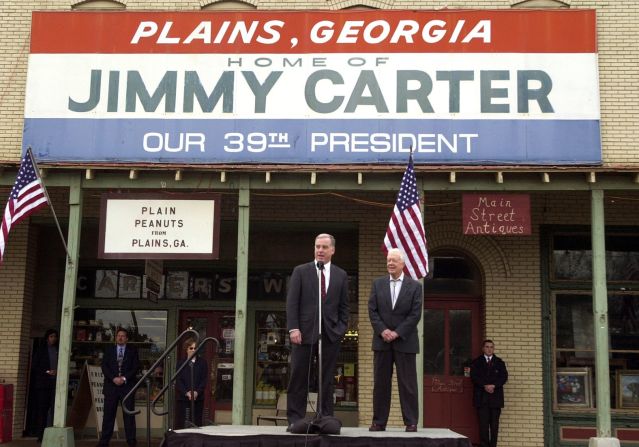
x=452, y=335
x=221, y=325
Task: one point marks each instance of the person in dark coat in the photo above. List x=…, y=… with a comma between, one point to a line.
x=302, y=297
x=120, y=367
x=43, y=372
x=190, y=386
x=395, y=308
x=489, y=374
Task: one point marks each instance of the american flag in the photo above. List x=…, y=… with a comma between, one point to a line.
x=406, y=228
x=26, y=197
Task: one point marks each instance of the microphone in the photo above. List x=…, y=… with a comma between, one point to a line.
x=320, y=265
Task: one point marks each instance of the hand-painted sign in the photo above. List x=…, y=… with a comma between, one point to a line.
x=141, y=226
x=459, y=87
x=496, y=214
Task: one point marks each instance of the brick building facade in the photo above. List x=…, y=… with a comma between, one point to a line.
x=518, y=290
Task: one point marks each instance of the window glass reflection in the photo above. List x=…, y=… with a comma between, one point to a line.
x=434, y=362
x=460, y=341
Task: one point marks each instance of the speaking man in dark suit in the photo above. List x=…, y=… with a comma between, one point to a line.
x=120, y=366
x=395, y=308
x=302, y=316
x=488, y=373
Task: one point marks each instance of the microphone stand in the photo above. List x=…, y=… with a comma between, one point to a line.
x=320, y=266
x=192, y=401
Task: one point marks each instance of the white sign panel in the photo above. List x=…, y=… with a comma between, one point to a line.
x=155, y=226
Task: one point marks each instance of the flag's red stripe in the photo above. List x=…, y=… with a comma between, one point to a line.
x=6, y=226
x=29, y=188
x=416, y=266
x=26, y=202
x=29, y=198
x=26, y=211
x=419, y=239
x=405, y=244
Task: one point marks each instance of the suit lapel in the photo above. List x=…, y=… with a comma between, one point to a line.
x=331, y=284
x=386, y=294
x=312, y=274
x=402, y=291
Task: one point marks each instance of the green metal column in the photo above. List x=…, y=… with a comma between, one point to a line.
x=420, y=334
x=239, y=380
x=420, y=368
x=59, y=435
x=600, y=313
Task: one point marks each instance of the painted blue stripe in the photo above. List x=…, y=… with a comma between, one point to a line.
x=497, y=142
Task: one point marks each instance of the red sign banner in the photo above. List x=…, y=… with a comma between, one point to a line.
x=496, y=214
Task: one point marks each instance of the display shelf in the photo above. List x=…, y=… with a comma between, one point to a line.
x=94, y=331
x=272, y=358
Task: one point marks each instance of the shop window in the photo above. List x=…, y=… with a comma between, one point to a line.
x=434, y=362
x=452, y=273
x=540, y=3
x=572, y=258
x=231, y=5
x=273, y=356
x=98, y=4
x=574, y=379
x=94, y=330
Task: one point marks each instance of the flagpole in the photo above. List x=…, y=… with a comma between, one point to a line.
x=46, y=193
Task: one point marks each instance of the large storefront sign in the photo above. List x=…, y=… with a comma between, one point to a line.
x=176, y=226
x=458, y=87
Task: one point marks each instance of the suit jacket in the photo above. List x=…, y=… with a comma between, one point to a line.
x=402, y=319
x=301, y=303
x=41, y=364
x=483, y=374
x=200, y=376
x=129, y=368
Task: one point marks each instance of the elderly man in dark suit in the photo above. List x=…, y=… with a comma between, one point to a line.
x=120, y=366
x=395, y=308
x=488, y=373
x=302, y=298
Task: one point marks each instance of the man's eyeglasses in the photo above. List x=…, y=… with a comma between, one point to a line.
x=192, y=349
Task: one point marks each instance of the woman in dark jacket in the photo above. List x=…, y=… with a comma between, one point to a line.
x=190, y=386
x=43, y=373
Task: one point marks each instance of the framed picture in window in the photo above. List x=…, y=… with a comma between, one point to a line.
x=176, y=286
x=201, y=288
x=106, y=283
x=129, y=286
x=628, y=388
x=573, y=387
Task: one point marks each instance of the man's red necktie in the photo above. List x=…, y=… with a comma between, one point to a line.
x=323, y=285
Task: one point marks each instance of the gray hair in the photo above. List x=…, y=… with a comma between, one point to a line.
x=396, y=251
x=323, y=235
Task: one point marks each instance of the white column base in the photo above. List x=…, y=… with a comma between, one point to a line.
x=604, y=442
x=58, y=437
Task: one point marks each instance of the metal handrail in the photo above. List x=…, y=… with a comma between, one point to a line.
x=147, y=380
x=177, y=372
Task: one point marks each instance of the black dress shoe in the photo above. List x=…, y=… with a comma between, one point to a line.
x=376, y=427
x=289, y=428
x=411, y=428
